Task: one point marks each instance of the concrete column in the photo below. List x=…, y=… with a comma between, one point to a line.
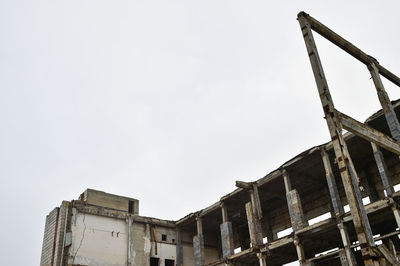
x=387, y=107
x=271, y=236
x=334, y=122
x=179, y=249
x=296, y=215
x=255, y=201
x=226, y=234
x=385, y=177
x=255, y=231
x=338, y=210
x=198, y=244
x=382, y=169
x=286, y=181
x=129, y=223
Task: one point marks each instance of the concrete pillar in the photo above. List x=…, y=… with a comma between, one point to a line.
x=198, y=244
x=338, y=210
x=296, y=215
x=255, y=231
x=360, y=220
x=129, y=223
x=382, y=169
x=226, y=234
x=179, y=249
x=387, y=107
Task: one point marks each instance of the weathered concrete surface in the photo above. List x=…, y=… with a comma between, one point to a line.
x=100, y=198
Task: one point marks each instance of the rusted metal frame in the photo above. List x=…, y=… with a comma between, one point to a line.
x=368, y=133
x=361, y=222
x=387, y=106
x=348, y=47
x=338, y=208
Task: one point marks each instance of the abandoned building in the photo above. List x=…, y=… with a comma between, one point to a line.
x=333, y=204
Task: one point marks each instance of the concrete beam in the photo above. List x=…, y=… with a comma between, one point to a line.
x=369, y=133
x=334, y=124
x=348, y=47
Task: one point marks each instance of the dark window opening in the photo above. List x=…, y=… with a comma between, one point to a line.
x=164, y=237
x=131, y=204
x=154, y=261
x=169, y=263
x=173, y=240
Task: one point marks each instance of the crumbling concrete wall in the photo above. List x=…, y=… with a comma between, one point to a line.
x=100, y=198
x=98, y=240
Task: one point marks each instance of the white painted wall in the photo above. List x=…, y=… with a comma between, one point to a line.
x=164, y=251
x=98, y=240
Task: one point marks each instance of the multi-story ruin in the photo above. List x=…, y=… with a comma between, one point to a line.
x=334, y=204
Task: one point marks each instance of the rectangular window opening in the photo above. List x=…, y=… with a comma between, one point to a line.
x=169, y=262
x=326, y=252
x=164, y=237
x=294, y=263
x=131, y=206
x=285, y=232
x=154, y=261
x=319, y=218
x=366, y=201
x=237, y=250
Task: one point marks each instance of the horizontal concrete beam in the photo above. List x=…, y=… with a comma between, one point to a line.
x=369, y=133
x=348, y=47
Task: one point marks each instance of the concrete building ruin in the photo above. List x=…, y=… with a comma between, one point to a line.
x=347, y=185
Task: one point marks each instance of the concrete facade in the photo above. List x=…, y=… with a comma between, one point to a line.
x=334, y=204
x=105, y=229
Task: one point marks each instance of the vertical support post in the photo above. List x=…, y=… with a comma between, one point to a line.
x=384, y=174
x=382, y=169
x=254, y=231
x=360, y=221
x=286, y=181
x=255, y=200
x=179, y=249
x=338, y=209
x=198, y=244
x=296, y=215
x=226, y=233
x=129, y=222
x=299, y=250
x=254, y=226
x=257, y=211
x=271, y=236
x=387, y=107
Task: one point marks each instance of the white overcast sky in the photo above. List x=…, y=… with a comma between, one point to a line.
x=168, y=102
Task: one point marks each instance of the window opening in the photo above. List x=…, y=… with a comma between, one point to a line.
x=169, y=262
x=154, y=261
